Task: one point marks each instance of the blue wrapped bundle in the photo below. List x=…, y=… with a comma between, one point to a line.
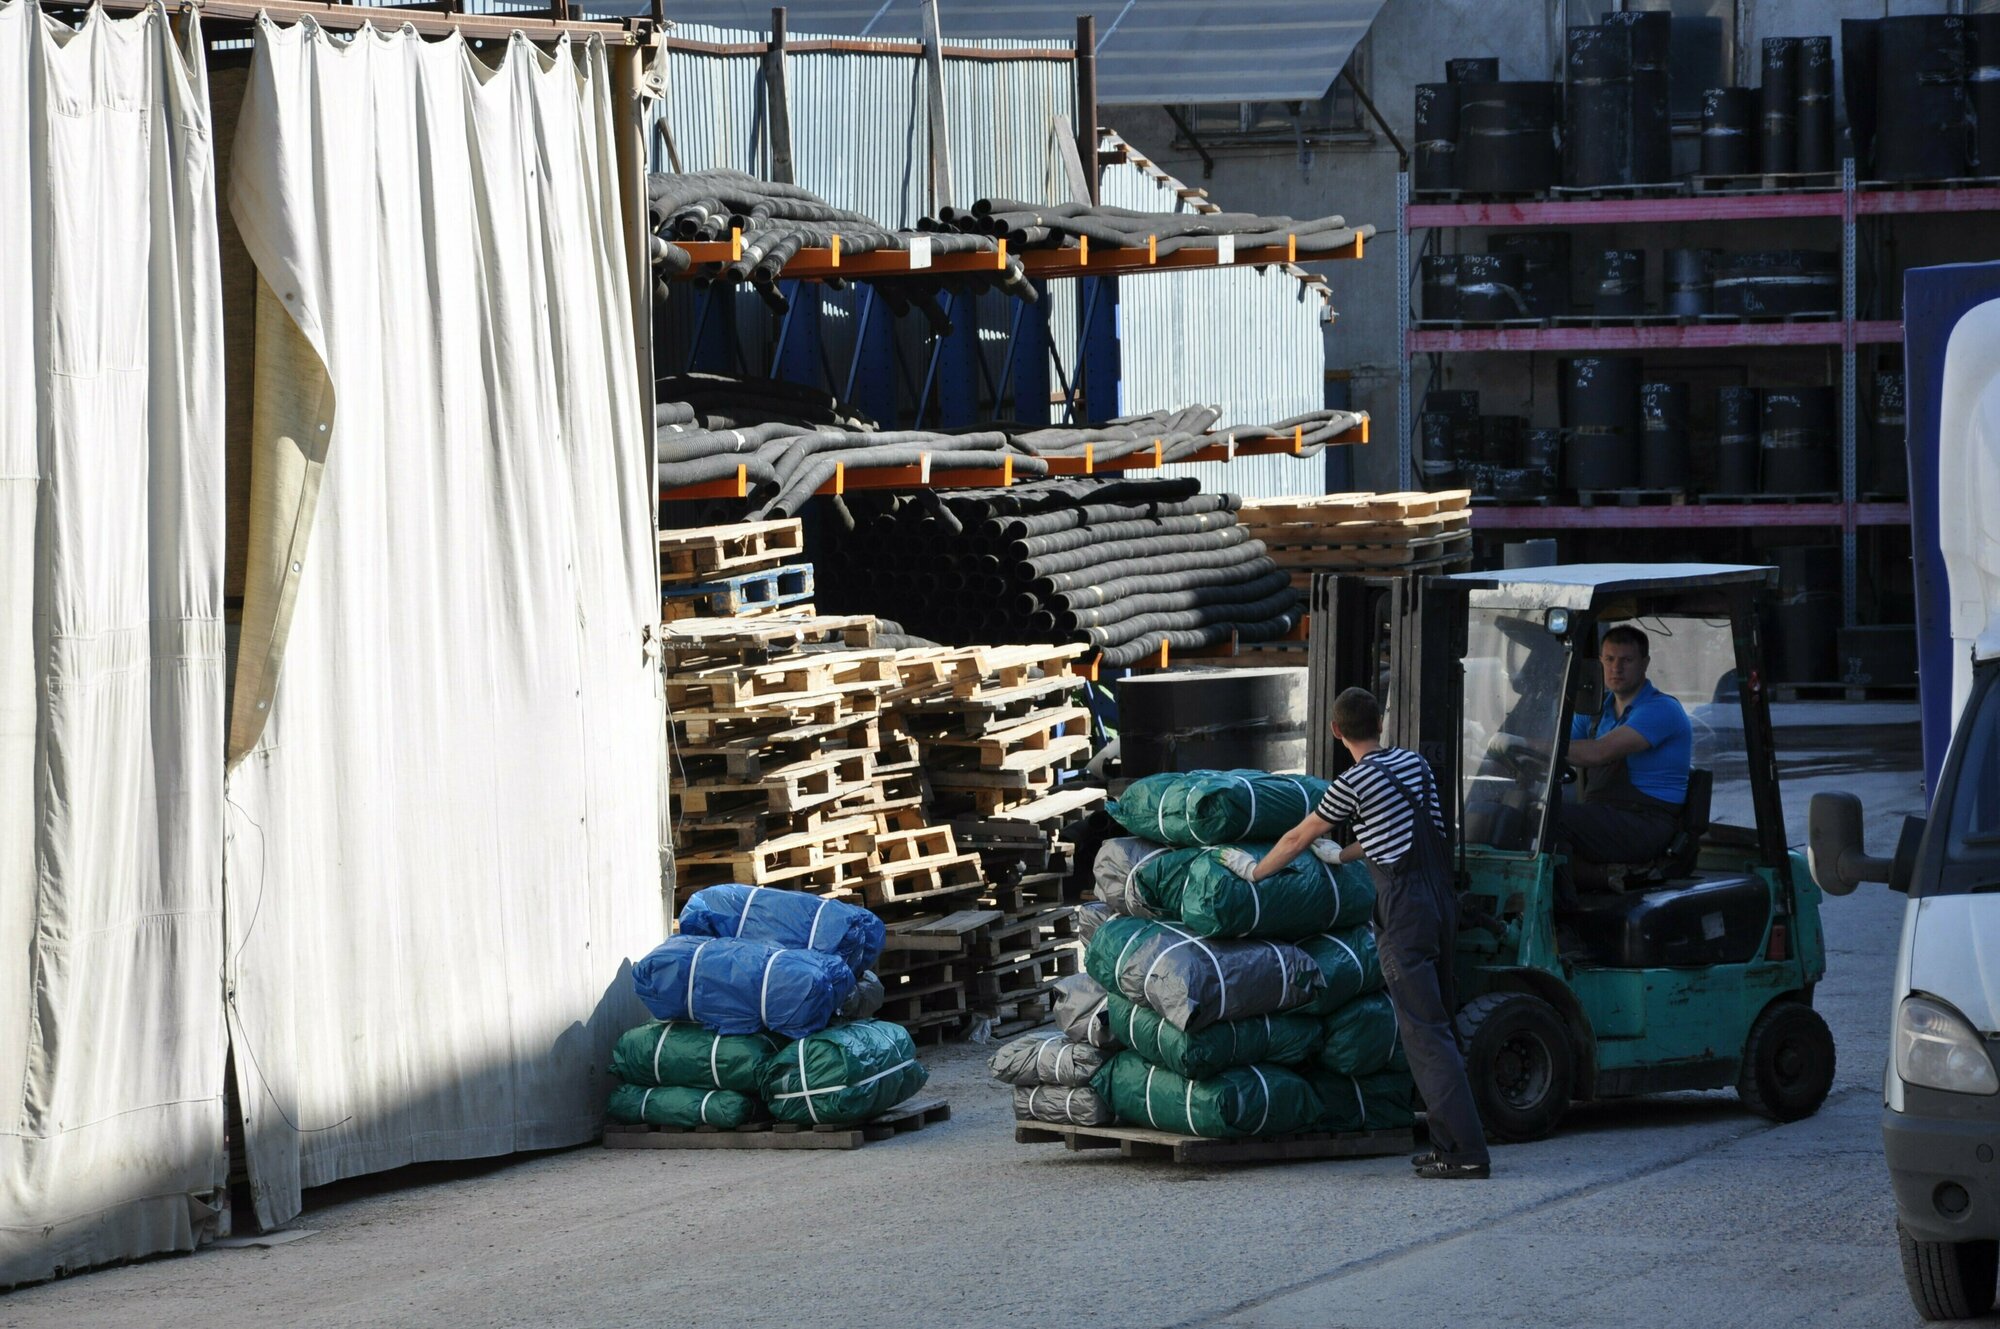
x=735, y=986
x=787, y=918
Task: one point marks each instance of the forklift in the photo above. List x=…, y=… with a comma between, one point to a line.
x=1577, y=982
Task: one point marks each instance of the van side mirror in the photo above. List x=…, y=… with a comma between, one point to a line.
x=1834, y=847
x=1903, y=867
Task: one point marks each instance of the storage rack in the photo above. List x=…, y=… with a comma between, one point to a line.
x=1847, y=203
x=822, y=264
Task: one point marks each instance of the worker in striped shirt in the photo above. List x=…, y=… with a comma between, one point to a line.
x=1389, y=797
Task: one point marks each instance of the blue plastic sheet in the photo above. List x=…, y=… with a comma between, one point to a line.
x=786, y=918
x=735, y=986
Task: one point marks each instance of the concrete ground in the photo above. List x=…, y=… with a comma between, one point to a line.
x=1683, y=1209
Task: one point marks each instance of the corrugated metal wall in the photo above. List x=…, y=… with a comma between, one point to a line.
x=1247, y=341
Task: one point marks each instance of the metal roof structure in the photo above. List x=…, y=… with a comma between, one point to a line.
x=1149, y=52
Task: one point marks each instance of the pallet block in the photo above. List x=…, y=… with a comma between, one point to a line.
x=703, y=552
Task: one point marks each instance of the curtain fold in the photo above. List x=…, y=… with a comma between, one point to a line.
x=111, y=645
x=444, y=781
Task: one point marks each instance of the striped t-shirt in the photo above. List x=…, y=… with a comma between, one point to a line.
x=1365, y=796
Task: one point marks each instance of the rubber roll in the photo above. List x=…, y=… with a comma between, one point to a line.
x=1769, y=282
x=1922, y=129
x=1777, y=106
x=1500, y=440
x=1982, y=88
x=1440, y=286
x=1621, y=283
x=1597, y=138
x=1221, y=719
x=1736, y=414
x=1472, y=69
x=1795, y=433
x=1651, y=34
x=1440, y=464
x=1814, y=132
x=1890, y=460
x=1544, y=259
x=1688, y=281
x=1729, y=131
x=1601, y=416
x=1437, y=138
x=1488, y=287
x=1507, y=137
x=1665, y=460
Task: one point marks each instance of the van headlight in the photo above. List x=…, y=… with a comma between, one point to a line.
x=1937, y=1049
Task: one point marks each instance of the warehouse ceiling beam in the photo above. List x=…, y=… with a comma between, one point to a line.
x=1194, y=141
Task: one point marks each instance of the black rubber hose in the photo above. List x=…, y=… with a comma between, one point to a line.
x=1142, y=625
x=1079, y=537
x=675, y=474
x=1193, y=639
x=1248, y=591
x=1168, y=560
x=1151, y=583
x=1046, y=566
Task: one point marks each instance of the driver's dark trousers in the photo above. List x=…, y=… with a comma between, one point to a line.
x=1416, y=929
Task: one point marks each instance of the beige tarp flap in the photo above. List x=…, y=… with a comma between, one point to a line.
x=444, y=829
x=112, y=1042
x=291, y=424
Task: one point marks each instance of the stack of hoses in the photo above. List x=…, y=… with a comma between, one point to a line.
x=1121, y=565
x=776, y=221
x=1060, y=225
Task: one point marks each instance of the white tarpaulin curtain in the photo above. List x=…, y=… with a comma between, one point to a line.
x=111, y=645
x=443, y=821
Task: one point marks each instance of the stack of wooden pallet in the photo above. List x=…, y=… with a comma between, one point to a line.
x=1372, y=533
x=738, y=571
x=996, y=727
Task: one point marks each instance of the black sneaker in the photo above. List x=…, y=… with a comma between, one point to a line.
x=1439, y=1170
x=1425, y=1159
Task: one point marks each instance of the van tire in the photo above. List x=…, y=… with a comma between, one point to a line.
x=1788, y=1062
x=1949, y=1280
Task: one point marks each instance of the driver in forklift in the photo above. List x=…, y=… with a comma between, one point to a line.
x=1634, y=756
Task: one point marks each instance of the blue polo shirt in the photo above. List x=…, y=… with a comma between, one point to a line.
x=1661, y=771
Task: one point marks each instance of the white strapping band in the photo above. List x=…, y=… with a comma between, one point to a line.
x=702, y=1111
x=1266, y=1085
x=693, y=962
x=714, y=1074
x=764, y=992
x=643, y=1098
x=744, y=917
x=665, y=1029
x=807, y=1094
x=812, y=934
x=1149, y=1099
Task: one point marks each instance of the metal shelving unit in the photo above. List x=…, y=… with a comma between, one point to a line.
x=1847, y=204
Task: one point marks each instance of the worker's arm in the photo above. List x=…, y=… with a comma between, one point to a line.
x=1295, y=842
x=1617, y=745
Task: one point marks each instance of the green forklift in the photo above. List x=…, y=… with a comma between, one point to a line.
x=1691, y=970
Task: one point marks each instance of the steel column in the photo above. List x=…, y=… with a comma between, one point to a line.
x=1405, y=422
x=1849, y=433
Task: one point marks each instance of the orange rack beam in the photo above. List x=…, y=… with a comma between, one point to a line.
x=725, y=488
x=1221, y=450
x=809, y=264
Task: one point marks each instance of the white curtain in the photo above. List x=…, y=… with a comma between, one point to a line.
x=111, y=645
x=444, y=789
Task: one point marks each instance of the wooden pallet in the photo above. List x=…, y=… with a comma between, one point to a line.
x=748, y=758
x=858, y=677
x=1333, y=558
x=1651, y=189
x=782, y=1134
x=1770, y=182
x=791, y=788
x=695, y=643
x=1631, y=498
x=1363, y=532
x=1771, y=498
x=705, y=552
x=835, y=844
x=1027, y=974
x=1257, y=513
x=1165, y=1146
x=1039, y=731
x=926, y=880
x=742, y=596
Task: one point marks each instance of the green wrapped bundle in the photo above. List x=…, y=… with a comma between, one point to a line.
x=1348, y=963
x=1360, y=1038
x=1308, y=897
x=1245, y=1100
x=678, y=1105
x=1284, y=1040
x=1200, y=808
x=843, y=1074
x=1384, y=1101
x=680, y=1052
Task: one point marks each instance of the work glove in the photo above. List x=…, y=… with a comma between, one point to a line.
x=1504, y=744
x=1240, y=861
x=1327, y=852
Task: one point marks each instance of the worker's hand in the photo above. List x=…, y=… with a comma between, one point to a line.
x=1327, y=852
x=1503, y=744
x=1240, y=861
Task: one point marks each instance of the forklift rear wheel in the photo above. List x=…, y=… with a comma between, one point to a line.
x=1787, y=1062
x=1949, y=1280
x=1517, y=1054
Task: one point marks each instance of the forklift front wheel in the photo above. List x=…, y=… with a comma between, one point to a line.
x=1517, y=1055
x=1788, y=1062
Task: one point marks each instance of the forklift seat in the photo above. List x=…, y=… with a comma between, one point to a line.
x=1717, y=918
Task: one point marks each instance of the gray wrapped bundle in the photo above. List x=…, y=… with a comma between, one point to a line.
x=1116, y=873
x=1080, y=1005
x=1046, y=1058
x=1195, y=981
x=1088, y=916
x=1061, y=1106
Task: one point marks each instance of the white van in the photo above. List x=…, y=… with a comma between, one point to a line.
x=1941, y=1092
